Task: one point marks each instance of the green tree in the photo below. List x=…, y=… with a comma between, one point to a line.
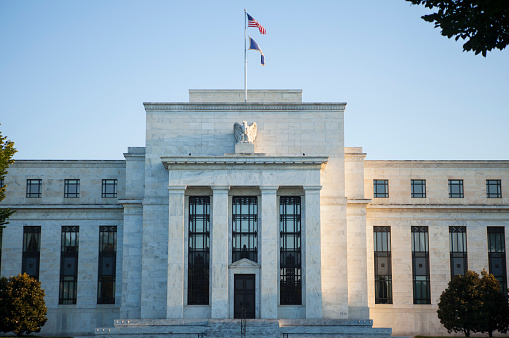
x=7, y=150
x=459, y=305
x=494, y=308
x=484, y=24
x=22, y=307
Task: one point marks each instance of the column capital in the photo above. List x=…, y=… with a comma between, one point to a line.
x=176, y=189
x=311, y=188
x=269, y=188
x=220, y=188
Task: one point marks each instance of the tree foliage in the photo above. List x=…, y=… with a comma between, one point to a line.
x=484, y=24
x=473, y=304
x=7, y=150
x=22, y=306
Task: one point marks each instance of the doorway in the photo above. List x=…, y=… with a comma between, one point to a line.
x=244, y=296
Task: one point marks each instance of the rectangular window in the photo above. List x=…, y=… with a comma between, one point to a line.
x=107, y=265
x=383, y=265
x=109, y=188
x=455, y=188
x=496, y=255
x=34, y=188
x=420, y=265
x=458, y=250
x=71, y=188
x=69, y=265
x=199, y=251
x=418, y=188
x=245, y=228
x=493, y=189
x=31, y=251
x=380, y=188
x=290, y=284
x=1, y=183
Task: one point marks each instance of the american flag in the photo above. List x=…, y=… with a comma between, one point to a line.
x=253, y=23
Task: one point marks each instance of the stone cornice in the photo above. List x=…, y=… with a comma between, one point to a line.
x=504, y=164
x=62, y=206
x=68, y=164
x=256, y=106
x=249, y=161
x=441, y=207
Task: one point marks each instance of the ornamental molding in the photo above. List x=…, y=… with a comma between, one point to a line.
x=438, y=207
x=247, y=162
x=502, y=164
x=155, y=106
x=68, y=164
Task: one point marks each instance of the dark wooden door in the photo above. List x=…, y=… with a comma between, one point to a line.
x=244, y=296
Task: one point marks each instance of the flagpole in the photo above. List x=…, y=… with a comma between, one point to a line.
x=245, y=57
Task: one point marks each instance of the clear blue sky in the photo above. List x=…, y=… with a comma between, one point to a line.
x=74, y=74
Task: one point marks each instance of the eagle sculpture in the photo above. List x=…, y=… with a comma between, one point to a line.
x=244, y=133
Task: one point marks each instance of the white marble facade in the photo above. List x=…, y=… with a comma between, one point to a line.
x=298, y=151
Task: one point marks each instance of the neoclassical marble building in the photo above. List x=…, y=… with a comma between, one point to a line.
x=275, y=221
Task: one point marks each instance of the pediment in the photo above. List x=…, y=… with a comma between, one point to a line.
x=244, y=263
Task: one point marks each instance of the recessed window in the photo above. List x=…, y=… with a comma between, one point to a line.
x=418, y=188
x=1, y=183
x=71, y=188
x=290, y=270
x=458, y=250
x=383, y=269
x=380, y=188
x=455, y=188
x=420, y=265
x=496, y=255
x=245, y=228
x=31, y=251
x=34, y=188
x=107, y=265
x=68, y=292
x=493, y=189
x=109, y=188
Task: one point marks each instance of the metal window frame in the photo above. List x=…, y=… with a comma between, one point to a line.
x=198, y=279
x=290, y=273
x=459, y=184
x=454, y=240
x=67, y=184
x=68, y=290
x=238, y=220
x=29, y=252
x=107, y=250
x=422, y=252
x=34, y=184
x=382, y=280
x=414, y=184
x=107, y=183
x=385, y=186
x=498, y=186
x=497, y=233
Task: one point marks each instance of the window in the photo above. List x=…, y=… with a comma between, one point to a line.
x=69, y=265
x=458, y=250
x=418, y=188
x=109, y=188
x=383, y=265
x=34, y=188
x=71, y=188
x=455, y=188
x=290, y=284
x=1, y=183
x=245, y=228
x=493, y=189
x=31, y=251
x=496, y=255
x=199, y=251
x=107, y=265
x=420, y=265
x=1, y=234
x=380, y=188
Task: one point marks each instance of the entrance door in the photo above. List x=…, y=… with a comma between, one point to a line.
x=244, y=296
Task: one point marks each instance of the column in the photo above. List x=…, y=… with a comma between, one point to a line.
x=269, y=253
x=176, y=245
x=313, y=278
x=219, y=252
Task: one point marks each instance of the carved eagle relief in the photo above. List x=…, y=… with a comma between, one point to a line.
x=244, y=133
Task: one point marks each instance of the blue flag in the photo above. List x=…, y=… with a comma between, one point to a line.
x=254, y=46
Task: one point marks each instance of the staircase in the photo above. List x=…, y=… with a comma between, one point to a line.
x=255, y=328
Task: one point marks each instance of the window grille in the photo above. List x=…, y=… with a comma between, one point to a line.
x=245, y=228
x=107, y=265
x=71, y=188
x=418, y=188
x=31, y=251
x=34, y=187
x=493, y=189
x=380, y=188
x=455, y=188
x=383, y=264
x=458, y=250
x=496, y=255
x=109, y=188
x=69, y=265
x=420, y=265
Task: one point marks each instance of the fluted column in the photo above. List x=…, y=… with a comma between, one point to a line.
x=269, y=249
x=219, y=252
